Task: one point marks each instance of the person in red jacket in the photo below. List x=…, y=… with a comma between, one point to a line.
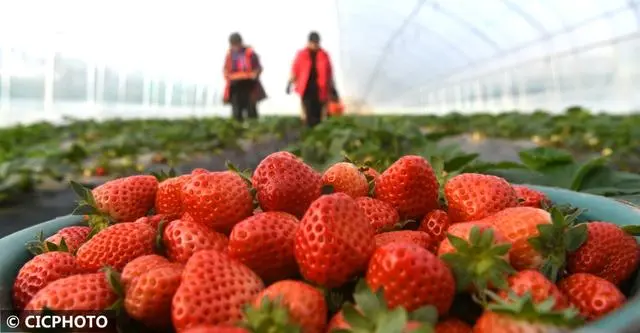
x=312, y=75
x=242, y=71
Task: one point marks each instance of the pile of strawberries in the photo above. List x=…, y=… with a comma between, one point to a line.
x=289, y=249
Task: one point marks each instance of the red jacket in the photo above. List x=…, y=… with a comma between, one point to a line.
x=252, y=65
x=302, y=67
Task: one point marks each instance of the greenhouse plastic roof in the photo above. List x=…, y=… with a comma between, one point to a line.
x=384, y=51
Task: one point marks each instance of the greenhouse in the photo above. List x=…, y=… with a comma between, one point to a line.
x=321, y=166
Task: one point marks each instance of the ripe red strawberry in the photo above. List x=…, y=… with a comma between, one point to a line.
x=609, y=252
x=406, y=236
x=169, y=197
x=139, y=266
x=435, y=224
x=181, y=239
x=334, y=241
x=593, y=296
x=477, y=255
x=345, y=177
x=216, y=329
x=285, y=183
x=199, y=171
x=148, y=299
x=529, y=197
x=538, y=285
x=83, y=292
x=305, y=305
x=213, y=291
x=217, y=199
x=154, y=220
x=264, y=242
x=410, y=186
x=38, y=272
x=411, y=277
x=74, y=237
x=453, y=325
x=381, y=215
x=472, y=196
x=518, y=225
x=533, y=249
x=123, y=199
x=115, y=246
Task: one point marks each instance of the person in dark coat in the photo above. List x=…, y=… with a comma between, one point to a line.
x=242, y=70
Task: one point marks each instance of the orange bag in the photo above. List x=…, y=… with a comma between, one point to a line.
x=335, y=109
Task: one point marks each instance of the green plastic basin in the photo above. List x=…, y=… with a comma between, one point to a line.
x=627, y=319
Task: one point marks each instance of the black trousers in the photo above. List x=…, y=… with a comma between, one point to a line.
x=312, y=106
x=241, y=101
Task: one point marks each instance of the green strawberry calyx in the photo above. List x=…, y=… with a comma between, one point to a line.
x=40, y=245
x=370, y=313
x=563, y=235
x=162, y=175
x=159, y=240
x=87, y=205
x=525, y=308
x=270, y=316
x=113, y=279
x=478, y=264
x=246, y=176
x=633, y=230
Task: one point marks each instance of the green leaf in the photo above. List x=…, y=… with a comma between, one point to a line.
x=575, y=237
x=393, y=321
x=543, y=157
x=355, y=319
x=584, y=170
x=367, y=301
x=633, y=230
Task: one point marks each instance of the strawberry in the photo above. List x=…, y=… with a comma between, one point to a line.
x=139, y=266
x=74, y=237
x=154, y=220
x=285, y=183
x=529, y=197
x=169, y=197
x=609, y=252
x=538, y=285
x=435, y=224
x=215, y=329
x=345, y=177
x=371, y=313
x=478, y=257
x=381, y=215
x=334, y=241
x=82, y=292
x=181, y=239
x=119, y=200
x=407, y=236
x=304, y=305
x=217, y=199
x=522, y=314
x=411, y=277
x=38, y=272
x=472, y=196
x=199, y=171
x=148, y=299
x=540, y=240
x=67, y=239
x=593, y=296
x=264, y=242
x=453, y=325
x=410, y=186
x=213, y=291
x=115, y=246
